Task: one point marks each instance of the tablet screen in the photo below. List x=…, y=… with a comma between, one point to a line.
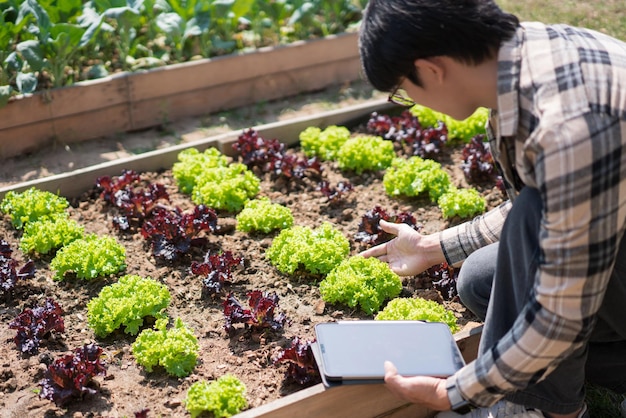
x=358, y=349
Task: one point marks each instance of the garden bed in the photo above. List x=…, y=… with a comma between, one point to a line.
x=128, y=388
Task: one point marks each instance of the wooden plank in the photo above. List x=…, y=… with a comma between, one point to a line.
x=356, y=401
x=211, y=99
x=80, y=98
x=76, y=127
x=68, y=114
x=195, y=75
x=309, y=78
x=468, y=342
x=23, y=110
x=20, y=140
x=89, y=96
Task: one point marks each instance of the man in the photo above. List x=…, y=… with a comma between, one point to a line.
x=546, y=271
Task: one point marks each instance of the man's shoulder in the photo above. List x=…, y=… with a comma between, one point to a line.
x=567, y=70
x=564, y=34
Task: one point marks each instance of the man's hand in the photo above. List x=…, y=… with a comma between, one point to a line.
x=424, y=390
x=410, y=252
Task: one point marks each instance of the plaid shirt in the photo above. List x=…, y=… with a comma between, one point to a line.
x=560, y=127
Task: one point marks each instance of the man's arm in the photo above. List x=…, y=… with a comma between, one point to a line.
x=460, y=241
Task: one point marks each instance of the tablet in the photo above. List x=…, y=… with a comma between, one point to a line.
x=357, y=350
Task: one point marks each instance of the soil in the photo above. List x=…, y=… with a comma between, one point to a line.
x=127, y=388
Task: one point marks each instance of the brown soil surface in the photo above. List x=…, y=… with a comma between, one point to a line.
x=127, y=387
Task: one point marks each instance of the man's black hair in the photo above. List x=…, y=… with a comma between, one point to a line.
x=394, y=33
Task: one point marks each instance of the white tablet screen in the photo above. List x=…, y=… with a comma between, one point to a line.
x=358, y=349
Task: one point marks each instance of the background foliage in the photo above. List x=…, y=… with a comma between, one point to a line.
x=53, y=43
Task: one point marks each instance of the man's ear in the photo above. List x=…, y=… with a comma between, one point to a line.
x=432, y=68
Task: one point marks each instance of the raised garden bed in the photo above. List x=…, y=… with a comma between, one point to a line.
x=134, y=101
x=128, y=387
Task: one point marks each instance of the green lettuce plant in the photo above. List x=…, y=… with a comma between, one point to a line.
x=227, y=188
x=417, y=309
x=316, y=251
x=31, y=205
x=414, y=176
x=50, y=233
x=126, y=303
x=463, y=130
x=461, y=202
x=264, y=216
x=365, y=153
x=223, y=397
x=366, y=282
x=212, y=181
x=191, y=163
x=89, y=257
x=176, y=349
x=324, y=144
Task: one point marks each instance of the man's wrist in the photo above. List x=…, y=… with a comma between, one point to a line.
x=457, y=402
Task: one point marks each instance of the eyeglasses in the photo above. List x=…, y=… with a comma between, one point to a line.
x=400, y=97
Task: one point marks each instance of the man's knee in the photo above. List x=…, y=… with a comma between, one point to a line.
x=475, y=279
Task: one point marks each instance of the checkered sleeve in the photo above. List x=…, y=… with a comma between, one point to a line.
x=460, y=241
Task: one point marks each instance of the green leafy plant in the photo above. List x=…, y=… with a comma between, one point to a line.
x=271, y=21
x=31, y=205
x=224, y=397
x=15, y=74
x=264, y=216
x=324, y=144
x=315, y=251
x=57, y=42
x=417, y=309
x=366, y=282
x=49, y=234
x=225, y=34
x=463, y=130
x=365, y=153
x=414, y=176
x=321, y=18
x=89, y=257
x=461, y=202
x=213, y=182
x=126, y=303
x=185, y=20
x=124, y=28
x=175, y=349
x=191, y=163
x=226, y=188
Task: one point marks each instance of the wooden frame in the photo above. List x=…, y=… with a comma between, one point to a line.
x=133, y=101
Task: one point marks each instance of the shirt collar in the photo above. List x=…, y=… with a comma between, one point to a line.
x=509, y=63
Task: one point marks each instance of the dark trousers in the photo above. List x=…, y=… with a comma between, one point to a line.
x=495, y=283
